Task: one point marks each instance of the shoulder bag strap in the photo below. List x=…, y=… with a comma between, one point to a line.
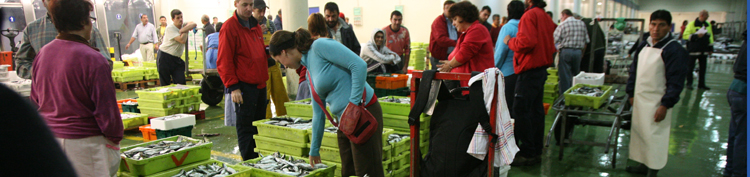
x=322, y=104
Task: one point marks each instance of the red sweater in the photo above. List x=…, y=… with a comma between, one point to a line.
x=439, y=39
x=242, y=56
x=302, y=72
x=534, y=44
x=494, y=33
x=474, y=50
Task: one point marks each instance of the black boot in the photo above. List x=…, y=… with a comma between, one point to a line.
x=638, y=169
x=652, y=173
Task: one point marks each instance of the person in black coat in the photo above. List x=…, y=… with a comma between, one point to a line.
x=737, y=97
x=339, y=30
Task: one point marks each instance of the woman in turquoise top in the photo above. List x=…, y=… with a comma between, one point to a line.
x=338, y=77
x=503, y=55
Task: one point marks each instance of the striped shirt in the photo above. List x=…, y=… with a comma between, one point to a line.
x=571, y=33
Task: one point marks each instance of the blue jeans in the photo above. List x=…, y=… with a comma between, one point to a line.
x=568, y=66
x=737, y=144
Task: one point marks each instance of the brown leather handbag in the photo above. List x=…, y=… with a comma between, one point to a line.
x=356, y=122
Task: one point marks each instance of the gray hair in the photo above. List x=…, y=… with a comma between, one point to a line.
x=205, y=18
x=577, y=16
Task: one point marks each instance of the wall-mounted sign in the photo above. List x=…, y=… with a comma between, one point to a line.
x=11, y=19
x=118, y=16
x=357, y=16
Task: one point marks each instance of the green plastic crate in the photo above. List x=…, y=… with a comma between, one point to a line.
x=118, y=65
x=552, y=78
x=159, y=103
x=142, y=119
x=329, y=139
x=402, y=122
x=401, y=160
x=424, y=134
x=550, y=86
x=149, y=64
x=263, y=173
x=550, y=94
x=127, y=72
x=552, y=71
x=394, y=108
x=403, y=172
x=126, y=79
x=283, y=146
x=281, y=133
x=152, y=77
x=159, y=112
x=184, y=131
x=302, y=110
x=191, y=108
x=192, y=99
x=164, y=162
x=190, y=90
x=548, y=100
x=587, y=101
x=157, y=94
x=242, y=171
x=330, y=154
x=402, y=146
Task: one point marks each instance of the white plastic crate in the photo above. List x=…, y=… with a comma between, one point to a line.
x=589, y=78
x=178, y=121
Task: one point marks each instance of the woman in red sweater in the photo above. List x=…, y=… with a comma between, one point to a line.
x=474, y=50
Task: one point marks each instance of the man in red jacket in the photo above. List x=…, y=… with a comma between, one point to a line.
x=442, y=37
x=533, y=47
x=243, y=68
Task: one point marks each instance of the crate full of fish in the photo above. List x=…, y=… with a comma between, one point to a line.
x=300, y=108
x=587, y=95
x=163, y=154
x=279, y=165
x=184, y=90
x=208, y=168
x=285, y=128
x=396, y=105
x=173, y=121
x=402, y=122
x=131, y=120
x=401, y=160
x=160, y=103
x=424, y=133
x=283, y=146
x=589, y=78
x=158, y=93
x=400, y=142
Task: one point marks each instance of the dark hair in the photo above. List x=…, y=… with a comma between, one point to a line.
x=540, y=4
x=496, y=15
x=70, y=15
x=212, y=18
x=175, y=12
x=448, y=2
x=713, y=21
x=567, y=12
x=516, y=10
x=685, y=22
x=550, y=14
x=316, y=24
x=302, y=41
x=487, y=8
x=661, y=14
x=331, y=7
x=465, y=10
x=142, y=16
x=279, y=11
x=166, y=17
x=218, y=26
x=396, y=13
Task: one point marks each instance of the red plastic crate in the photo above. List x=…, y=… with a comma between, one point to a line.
x=149, y=134
x=395, y=82
x=199, y=115
x=546, y=108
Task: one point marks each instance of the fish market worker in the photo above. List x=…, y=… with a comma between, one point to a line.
x=337, y=75
x=656, y=81
x=243, y=67
x=72, y=85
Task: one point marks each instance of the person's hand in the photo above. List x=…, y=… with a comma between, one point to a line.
x=314, y=160
x=237, y=96
x=507, y=38
x=127, y=46
x=631, y=101
x=444, y=67
x=661, y=114
x=701, y=35
x=156, y=47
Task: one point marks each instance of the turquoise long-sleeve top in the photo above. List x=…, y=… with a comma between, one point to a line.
x=503, y=54
x=339, y=77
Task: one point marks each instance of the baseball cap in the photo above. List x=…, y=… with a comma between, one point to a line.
x=259, y=4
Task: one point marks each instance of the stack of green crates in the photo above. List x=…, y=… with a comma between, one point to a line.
x=195, y=60
x=551, y=86
x=286, y=140
x=169, y=100
x=127, y=74
x=149, y=64
x=150, y=73
x=329, y=150
x=418, y=55
x=118, y=65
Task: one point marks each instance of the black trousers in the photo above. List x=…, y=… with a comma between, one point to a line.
x=702, y=60
x=252, y=109
x=510, y=91
x=171, y=69
x=529, y=111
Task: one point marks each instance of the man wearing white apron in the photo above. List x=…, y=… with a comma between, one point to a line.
x=654, y=86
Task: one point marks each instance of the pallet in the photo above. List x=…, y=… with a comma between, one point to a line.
x=123, y=86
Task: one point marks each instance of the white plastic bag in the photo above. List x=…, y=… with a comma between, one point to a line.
x=230, y=116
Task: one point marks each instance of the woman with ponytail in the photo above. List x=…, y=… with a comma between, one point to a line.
x=337, y=76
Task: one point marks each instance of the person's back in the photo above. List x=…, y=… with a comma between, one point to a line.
x=212, y=50
x=503, y=54
x=534, y=45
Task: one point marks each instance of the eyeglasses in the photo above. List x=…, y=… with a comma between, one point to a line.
x=93, y=19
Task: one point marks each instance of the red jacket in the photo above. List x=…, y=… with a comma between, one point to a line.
x=474, y=50
x=242, y=55
x=494, y=33
x=302, y=72
x=439, y=39
x=534, y=44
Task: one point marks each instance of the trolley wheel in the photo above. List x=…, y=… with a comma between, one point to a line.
x=210, y=96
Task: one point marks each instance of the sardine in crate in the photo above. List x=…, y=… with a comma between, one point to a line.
x=401, y=109
x=589, y=78
x=242, y=171
x=316, y=173
x=280, y=132
x=165, y=161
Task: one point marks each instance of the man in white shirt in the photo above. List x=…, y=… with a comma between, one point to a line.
x=146, y=35
x=171, y=66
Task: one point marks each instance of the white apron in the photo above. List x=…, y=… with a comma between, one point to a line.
x=649, y=140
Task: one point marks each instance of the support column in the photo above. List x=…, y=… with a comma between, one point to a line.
x=294, y=16
x=604, y=12
x=577, y=6
x=593, y=8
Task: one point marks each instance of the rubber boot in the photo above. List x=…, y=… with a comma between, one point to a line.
x=652, y=173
